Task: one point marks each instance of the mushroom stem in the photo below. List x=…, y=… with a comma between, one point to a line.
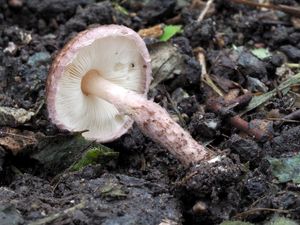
x=152, y=119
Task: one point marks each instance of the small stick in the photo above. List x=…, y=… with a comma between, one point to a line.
x=293, y=65
x=204, y=11
x=205, y=76
x=236, y=121
x=283, y=120
x=55, y=216
x=292, y=10
x=243, y=125
x=251, y=211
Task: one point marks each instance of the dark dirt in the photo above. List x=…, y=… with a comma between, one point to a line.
x=106, y=199
x=145, y=184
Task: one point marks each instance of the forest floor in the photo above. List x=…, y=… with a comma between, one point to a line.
x=237, y=62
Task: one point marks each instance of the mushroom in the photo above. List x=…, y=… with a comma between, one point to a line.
x=99, y=83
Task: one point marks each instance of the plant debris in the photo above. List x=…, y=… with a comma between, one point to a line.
x=14, y=117
x=169, y=31
x=95, y=155
x=286, y=169
x=261, y=53
x=284, y=87
x=239, y=55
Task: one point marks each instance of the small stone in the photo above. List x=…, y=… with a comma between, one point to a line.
x=38, y=59
x=11, y=48
x=199, y=33
x=247, y=149
x=291, y=52
x=251, y=66
x=25, y=37
x=277, y=60
x=199, y=208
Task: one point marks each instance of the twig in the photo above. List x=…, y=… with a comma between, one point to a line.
x=293, y=65
x=42, y=103
x=205, y=76
x=283, y=120
x=244, y=126
x=186, y=178
x=251, y=211
x=55, y=216
x=174, y=106
x=204, y=11
x=292, y=10
x=217, y=106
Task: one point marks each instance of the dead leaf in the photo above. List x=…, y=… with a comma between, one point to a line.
x=152, y=32
x=165, y=59
x=232, y=94
x=15, y=140
x=224, y=84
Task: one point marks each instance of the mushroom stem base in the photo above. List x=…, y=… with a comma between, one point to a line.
x=152, y=119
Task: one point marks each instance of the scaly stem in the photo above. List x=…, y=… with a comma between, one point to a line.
x=152, y=119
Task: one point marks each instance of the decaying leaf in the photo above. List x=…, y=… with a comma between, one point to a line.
x=261, y=53
x=112, y=190
x=13, y=116
x=224, y=84
x=286, y=169
x=284, y=87
x=17, y=141
x=165, y=59
x=152, y=32
x=60, y=152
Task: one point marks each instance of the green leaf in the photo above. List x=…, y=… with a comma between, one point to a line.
x=170, y=31
x=261, y=53
x=61, y=152
x=120, y=9
x=286, y=169
x=94, y=155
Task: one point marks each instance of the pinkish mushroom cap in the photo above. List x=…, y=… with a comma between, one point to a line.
x=119, y=55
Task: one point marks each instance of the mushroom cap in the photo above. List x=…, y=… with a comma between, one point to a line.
x=120, y=55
